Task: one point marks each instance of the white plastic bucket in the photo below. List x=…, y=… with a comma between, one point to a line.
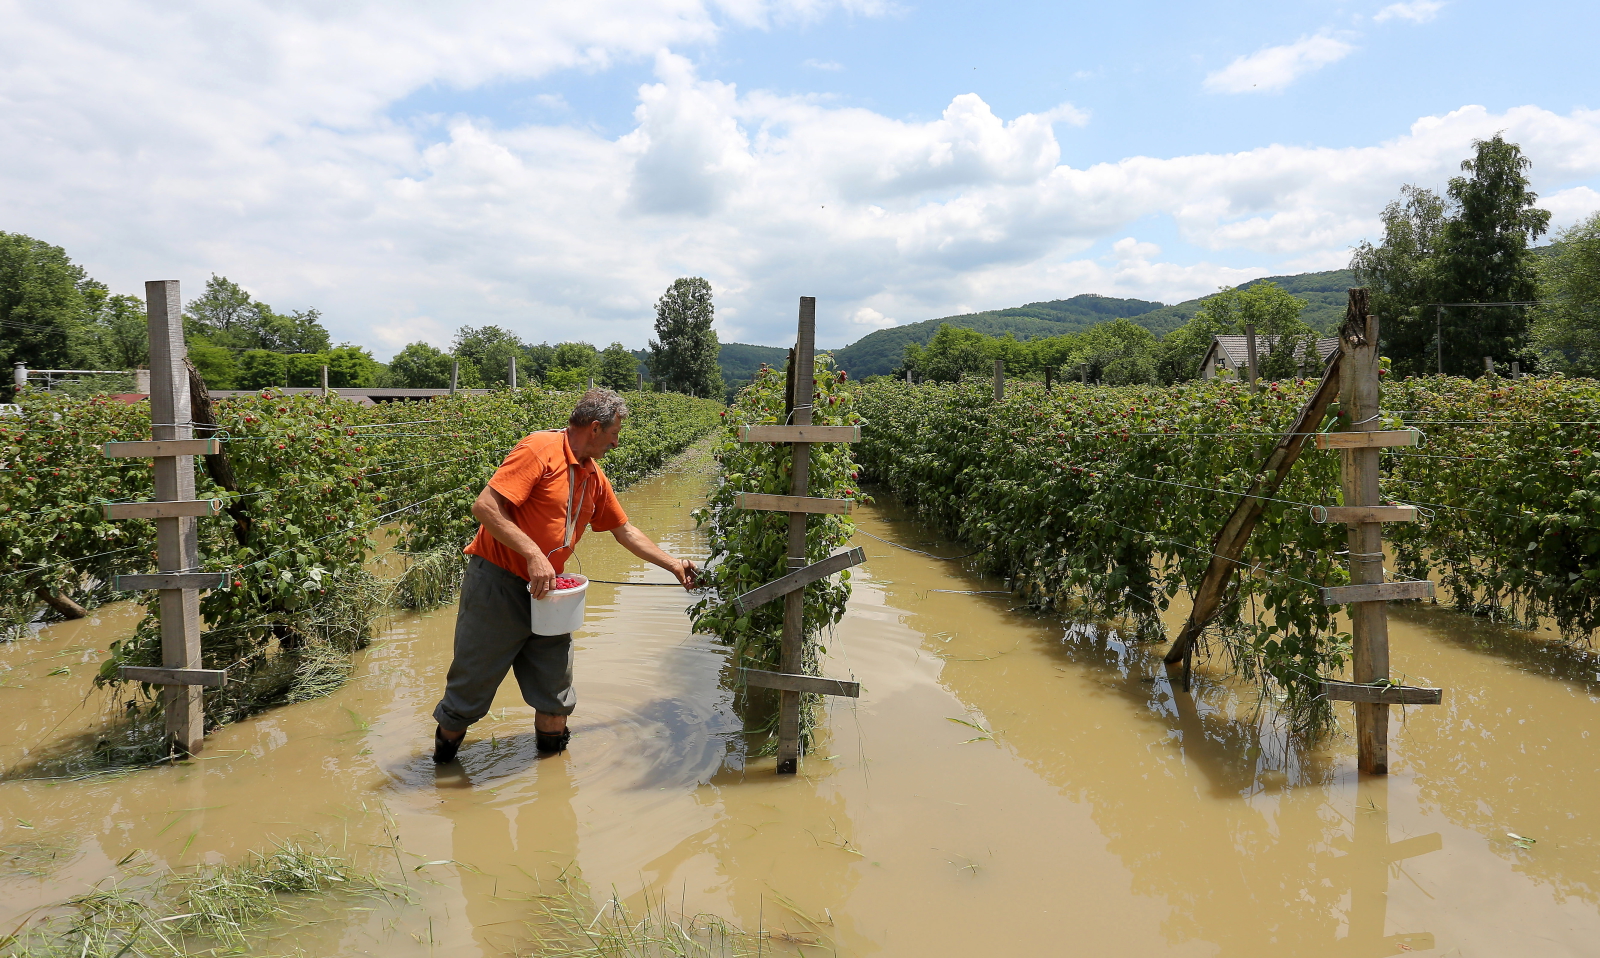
x=561, y=610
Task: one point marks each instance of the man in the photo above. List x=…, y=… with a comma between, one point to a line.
x=533, y=512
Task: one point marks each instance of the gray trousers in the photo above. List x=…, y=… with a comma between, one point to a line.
x=494, y=636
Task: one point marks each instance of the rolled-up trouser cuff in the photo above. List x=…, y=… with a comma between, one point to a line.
x=494, y=636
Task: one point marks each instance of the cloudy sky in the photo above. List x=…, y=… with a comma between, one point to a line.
x=551, y=166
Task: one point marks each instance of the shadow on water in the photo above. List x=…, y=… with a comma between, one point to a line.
x=1536, y=652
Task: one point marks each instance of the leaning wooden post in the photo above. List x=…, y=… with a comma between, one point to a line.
x=177, y=539
x=1250, y=355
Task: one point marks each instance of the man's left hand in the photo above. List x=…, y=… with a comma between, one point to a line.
x=687, y=574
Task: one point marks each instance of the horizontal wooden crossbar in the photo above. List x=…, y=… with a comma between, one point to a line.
x=798, y=579
x=1381, y=694
x=1369, y=513
x=1378, y=592
x=1366, y=440
x=756, y=500
x=800, y=434
x=147, y=448
x=167, y=580
x=162, y=510
x=789, y=682
x=211, y=678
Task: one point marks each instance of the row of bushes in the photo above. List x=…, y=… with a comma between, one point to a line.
x=1107, y=499
x=307, y=483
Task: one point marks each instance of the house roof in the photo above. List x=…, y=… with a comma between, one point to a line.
x=1236, y=354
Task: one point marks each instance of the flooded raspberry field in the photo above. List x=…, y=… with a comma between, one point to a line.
x=1008, y=783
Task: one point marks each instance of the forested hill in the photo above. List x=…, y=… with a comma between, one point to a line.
x=880, y=352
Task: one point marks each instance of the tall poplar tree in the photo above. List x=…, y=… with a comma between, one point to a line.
x=683, y=357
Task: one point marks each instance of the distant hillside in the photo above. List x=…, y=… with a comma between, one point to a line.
x=740, y=361
x=879, y=352
x=1324, y=294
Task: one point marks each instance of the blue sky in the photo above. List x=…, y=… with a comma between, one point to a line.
x=409, y=168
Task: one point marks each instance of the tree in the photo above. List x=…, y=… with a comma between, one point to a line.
x=227, y=315
x=683, y=358
x=1469, y=248
x=46, y=302
x=217, y=366
x=420, y=366
x=952, y=352
x=1119, y=353
x=1267, y=306
x=297, y=332
x=122, y=332
x=1566, y=330
x=261, y=368
x=489, y=350
x=1400, y=277
x=1484, y=255
x=618, y=368
x=571, y=365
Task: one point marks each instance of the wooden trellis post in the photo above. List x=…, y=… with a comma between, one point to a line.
x=800, y=434
x=178, y=583
x=1353, y=375
x=1367, y=594
x=999, y=380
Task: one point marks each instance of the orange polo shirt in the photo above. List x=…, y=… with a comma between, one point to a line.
x=553, y=497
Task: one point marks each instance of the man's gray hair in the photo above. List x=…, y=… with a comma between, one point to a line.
x=598, y=405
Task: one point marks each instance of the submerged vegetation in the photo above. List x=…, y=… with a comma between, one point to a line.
x=749, y=548
x=306, y=484
x=209, y=909
x=1106, y=500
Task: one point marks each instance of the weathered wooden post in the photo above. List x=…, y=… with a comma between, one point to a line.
x=1250, y=355
x=455, y=374
x=324, y=382
x=641, y=380
x=791, y=680
x=174, y=510
x=1488, y=365
x=1516, y=370
x=591, y=382
x=1048, y=371
x=999, y=380
x=513, y=372
x=1367, y=594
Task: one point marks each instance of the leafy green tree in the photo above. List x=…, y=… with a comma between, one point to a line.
x=122, y=332
x=217, y=366
x=683, y=357
x=953, y=351
x=618, y=368
x=420, y=366
x=1469, y=247
x=260, y=368
x=571, y=365
x=46, y=303
x=1274, y=313
x=1120, y=353
x=1567, y=329
x=490, y=349
x=297, y=332
x=1400, y=277
x=1484, y=255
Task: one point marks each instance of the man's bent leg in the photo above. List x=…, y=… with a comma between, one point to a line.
x=544, y=673
x=492, y=626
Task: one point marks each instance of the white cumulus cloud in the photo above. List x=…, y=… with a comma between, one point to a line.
x=1274, y=68
x=265, y=149
x=1417, y=11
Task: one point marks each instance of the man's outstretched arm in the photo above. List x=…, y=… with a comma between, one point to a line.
x=640, y=545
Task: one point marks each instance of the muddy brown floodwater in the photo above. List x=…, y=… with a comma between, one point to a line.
x=1007, y=784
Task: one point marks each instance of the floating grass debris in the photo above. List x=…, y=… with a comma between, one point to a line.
x=210, y=909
